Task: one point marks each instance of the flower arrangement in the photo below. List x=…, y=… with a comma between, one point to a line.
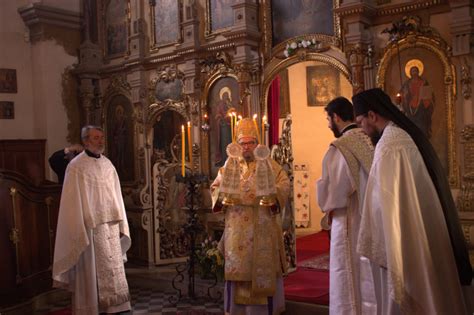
x=210, y=259
x=291, y=47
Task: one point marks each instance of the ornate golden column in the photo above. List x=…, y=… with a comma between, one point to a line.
x=356, y=61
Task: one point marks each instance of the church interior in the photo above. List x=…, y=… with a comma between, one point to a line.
x=161, y=78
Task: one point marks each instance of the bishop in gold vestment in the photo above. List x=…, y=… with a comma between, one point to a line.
x=253, y=247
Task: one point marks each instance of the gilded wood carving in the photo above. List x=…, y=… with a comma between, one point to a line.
x=414, y=54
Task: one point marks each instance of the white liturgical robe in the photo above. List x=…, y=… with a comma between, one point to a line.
x=350, y=282
x=92, y=237
x=403, y=232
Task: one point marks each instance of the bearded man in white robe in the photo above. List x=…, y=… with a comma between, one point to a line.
x=341, y=190
x=92, y=233
x=410, y=230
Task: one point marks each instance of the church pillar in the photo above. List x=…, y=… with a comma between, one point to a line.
x=369, y=69
x=462, y=32
x=247, y=37
x=191, y=70
x=139, y=44
x=86, y=94
x=357, y=16
x=356, y=62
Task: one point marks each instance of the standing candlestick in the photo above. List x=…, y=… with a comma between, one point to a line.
x=183, y=149
x=264, y=120
x=190, y=145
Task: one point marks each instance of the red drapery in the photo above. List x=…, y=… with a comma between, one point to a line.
x=273, y=108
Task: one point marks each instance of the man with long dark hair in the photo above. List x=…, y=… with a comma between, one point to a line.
x=410, y=229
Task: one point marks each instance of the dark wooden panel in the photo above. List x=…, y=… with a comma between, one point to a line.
x=31, y=211
x=7, y=249
x=26, y=157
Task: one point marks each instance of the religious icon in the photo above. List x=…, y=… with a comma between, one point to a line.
x=224, y=135
x=417, y=98
x=223, y=98
x=166, y=22
x=322, y=85
x=120, y=137
x=8, y=81
x=221, y=13
x=116, y=27
x=7, y=110
x=292, y=18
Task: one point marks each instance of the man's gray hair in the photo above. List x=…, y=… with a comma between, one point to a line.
x=85, y=131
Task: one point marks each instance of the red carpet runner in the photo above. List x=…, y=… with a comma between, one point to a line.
x=309, y=285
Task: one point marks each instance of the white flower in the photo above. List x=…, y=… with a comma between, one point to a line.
x=286, y=53
x=294, y=45
x=313, y=41
x=304, y=44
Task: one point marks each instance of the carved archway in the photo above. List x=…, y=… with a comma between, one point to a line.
x=283, y=152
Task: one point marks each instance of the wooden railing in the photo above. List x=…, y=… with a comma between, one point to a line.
x=28, y=219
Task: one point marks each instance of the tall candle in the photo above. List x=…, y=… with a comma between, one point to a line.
x=264, y=120
x=234, y=115
x=183, y=148
x=256, y=128
x=190, y=145
x=231, y=126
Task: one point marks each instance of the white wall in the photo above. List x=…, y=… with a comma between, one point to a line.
x=16, y=54
x=310, y=133
x=50, y=114
x=39, y=110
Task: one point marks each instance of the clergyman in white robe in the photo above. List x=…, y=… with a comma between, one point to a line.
x=403, y=233
x=340, y=192
x=92, y=237
x=410, y=230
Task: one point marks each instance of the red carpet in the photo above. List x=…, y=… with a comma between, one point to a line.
x=309, y=285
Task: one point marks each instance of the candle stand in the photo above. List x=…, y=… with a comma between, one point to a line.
x=192, y=228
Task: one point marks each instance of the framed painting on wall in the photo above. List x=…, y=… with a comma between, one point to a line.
x=7, y=110
x=119, y=130
x=220, y=15
x=223, y=98
x=116, y=27
x=169, y=90
x=166, y=20
x=423, y=96
x=301, y=17
x=8, y=81
x=322, y=84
